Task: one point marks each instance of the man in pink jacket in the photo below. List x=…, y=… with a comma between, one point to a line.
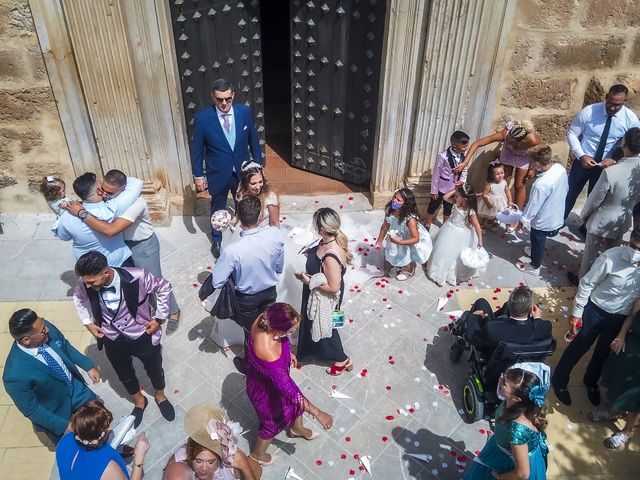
x=113, y=303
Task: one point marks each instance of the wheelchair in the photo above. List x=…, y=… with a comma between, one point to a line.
x=479, y=391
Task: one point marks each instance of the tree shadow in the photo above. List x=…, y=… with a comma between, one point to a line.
x=442, y=457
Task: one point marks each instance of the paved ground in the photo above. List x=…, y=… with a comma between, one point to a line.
x=404, y=392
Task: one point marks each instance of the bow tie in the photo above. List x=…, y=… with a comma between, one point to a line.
x=108, y=289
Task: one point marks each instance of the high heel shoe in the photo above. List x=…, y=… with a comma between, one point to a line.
x=335, y=370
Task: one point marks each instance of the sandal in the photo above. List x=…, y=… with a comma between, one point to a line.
x=313, y=435
x=335, y=370
x=601, y=415
x=616, y=440
x=404, y=275
x=262, y=463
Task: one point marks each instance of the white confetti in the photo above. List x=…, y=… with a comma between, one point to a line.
x=342, y=430
x=330, y=462
x=424, y=367
x=417, y=379
x=416, y=405
x=407, y=439
x=416, y=444
x=435, y=404
x=434, y=471
x=445, y=465
x=352, y=411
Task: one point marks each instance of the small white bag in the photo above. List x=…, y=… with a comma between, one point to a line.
x=475, y=258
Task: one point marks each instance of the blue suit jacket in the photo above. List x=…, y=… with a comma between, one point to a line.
x=220, y=160
x=41, y=395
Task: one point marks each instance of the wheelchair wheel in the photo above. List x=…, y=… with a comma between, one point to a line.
x=455, y=352
x=472, y=398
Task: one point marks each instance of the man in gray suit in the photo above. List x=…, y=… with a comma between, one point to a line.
x=607, y=211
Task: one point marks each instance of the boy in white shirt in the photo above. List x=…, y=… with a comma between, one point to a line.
x=543, y=214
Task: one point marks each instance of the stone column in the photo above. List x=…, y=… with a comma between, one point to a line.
x=406, y=23
x=463, y=58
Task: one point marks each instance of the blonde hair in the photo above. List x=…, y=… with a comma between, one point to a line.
x=328, y=220
x=520, y=129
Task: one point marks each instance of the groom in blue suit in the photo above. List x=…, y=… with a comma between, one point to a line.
x=222, y=137
x=40, y=374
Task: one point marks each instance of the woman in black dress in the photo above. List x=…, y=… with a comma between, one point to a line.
x=331, y=257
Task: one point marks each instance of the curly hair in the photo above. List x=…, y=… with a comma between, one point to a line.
x=492, y=166
x=410, y=207
x=278, y=316
x=194, y=449
x=51, y=187
x=524, y=381
x=245, y=179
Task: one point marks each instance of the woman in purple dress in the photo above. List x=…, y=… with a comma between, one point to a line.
x=278, y=401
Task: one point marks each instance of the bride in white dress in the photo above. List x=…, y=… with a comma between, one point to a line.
x=459, y=232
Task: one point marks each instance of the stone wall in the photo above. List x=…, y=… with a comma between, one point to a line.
x=32, y=142
x=564, y=54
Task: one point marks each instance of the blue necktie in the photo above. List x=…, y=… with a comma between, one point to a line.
x=55, y=366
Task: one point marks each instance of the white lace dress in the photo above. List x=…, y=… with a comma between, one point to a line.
x=452, y=238
x=498, y=199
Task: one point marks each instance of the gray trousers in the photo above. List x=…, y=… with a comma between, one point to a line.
x=146, y=254
x=594, y=245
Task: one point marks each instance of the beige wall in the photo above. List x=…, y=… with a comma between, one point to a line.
x=32, y=143
x=563, y=54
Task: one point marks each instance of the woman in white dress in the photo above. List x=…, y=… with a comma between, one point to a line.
x=459, y=232
x=253, y=182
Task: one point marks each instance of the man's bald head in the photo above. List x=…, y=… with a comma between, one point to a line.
x=177, y=471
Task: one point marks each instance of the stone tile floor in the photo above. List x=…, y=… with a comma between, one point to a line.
x=396, y=340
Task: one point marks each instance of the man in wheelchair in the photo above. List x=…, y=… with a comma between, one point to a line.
x=496, y=340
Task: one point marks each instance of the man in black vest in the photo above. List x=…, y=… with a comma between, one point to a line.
x=113, y=303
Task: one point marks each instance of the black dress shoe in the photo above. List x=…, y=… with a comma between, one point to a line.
x=167, y=410
x=593, y=394
x=138, y=412
x=562, y=393
x=215, y=248
x=573, y=278
x=240, y=364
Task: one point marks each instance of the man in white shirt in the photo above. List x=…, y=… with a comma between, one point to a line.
x=591, y=136
x=607, y=212
x=604, y=299
x=135, y=224
x=542, y=215
x=70, y=227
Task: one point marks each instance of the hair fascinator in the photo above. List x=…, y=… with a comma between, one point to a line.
x=51, y=178
x=227, y=434
x=89, y=442
x=249, y=165
x=543, y=372
x=495, y=163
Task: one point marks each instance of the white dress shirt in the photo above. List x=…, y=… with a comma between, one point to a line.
x=548, y=192
x=112, y=298
x=612, y=284
x=34, y=353
x=255, y=261
x=590, y=123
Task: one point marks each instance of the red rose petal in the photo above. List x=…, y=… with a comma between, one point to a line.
x=351, y=320
x=452, y=453
x=318, y=462
x=366, y=240
x=195, y=285
x=347, y=439
x=384, y=439
x=477, y=452
x=341, y=207
x=343, y=456
x=494, y=298
x=356, y=456
x=176, y=391
x=388, y=387
x=333, y=387
x=417, y=314
x=400, y=292
x=352, y=472
x=317, y=201
x=350, y=198
x=411, y=410
x=440, y=387
x=209, y=267
x=482, y=431
x=452, y=317
x=389, y=417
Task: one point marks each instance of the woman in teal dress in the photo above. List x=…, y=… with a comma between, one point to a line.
x=621, y=376
x=517, y=449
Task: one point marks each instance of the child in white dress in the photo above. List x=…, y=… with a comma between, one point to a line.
x=495, y=196
x=408, y=242
x=461, y=231
x=54, y=191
